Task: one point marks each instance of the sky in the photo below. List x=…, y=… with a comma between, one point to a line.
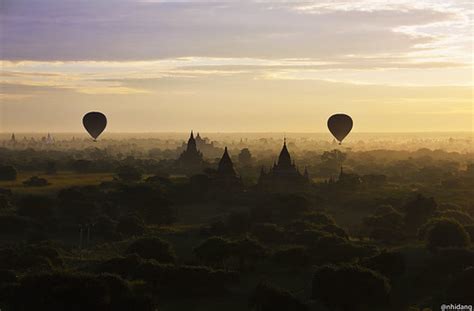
x=236, y=66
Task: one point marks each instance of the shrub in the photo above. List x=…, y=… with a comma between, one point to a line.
x=267, y=297
x=460, y=289
x=418, y=210
x=146, y=201
x=152, y=248
x=122, y=266
x=129, y=173
x=461, y=217
x=446, y=233
x=12, y=224
x=470, y=230
x=57, y=291
x=214, y=251
x=238, y=223
x=334, y=249
x=35, y=206
x=386, y=226
x=7, y=276
x=35, y=181
x=8, y=173
x=350, y=287
x=268, y=233
x=4, y=202
x=131, y=225
x=390, y=264
x=319, y=218
x=247, y=251
x=296, y=256
x=79, y=205
x=183, y=281
x=105, y=226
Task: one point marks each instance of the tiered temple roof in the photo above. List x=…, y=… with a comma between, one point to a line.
x=284, y=176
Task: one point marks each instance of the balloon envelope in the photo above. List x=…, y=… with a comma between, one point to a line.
x=95, y=123
x=340, y=126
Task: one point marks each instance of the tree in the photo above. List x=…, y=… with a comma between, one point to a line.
x=268, y=297
x=79, y=205
x=268, y=233
x=82, y=166
x=122, y=266
x=417, y=211
x=57, y=291
x=182, y=281
x=319, y=218
x=350, y=288
x=238, y=223
x=30, y=258
x=131, y=225
x=286, y=207
x=334, y=249
x=245, y=157
x=460, y=216
x=247, y=251
x=8, y=173
x=296, y=256
x=460, y=289
x=214, y=251
x=446, y=233
x=390, y=264
x=152, y=248
x=35, y=206
x=7, y=276
x=331, y=162
x=51, y=168
x=147, y=201
x=470, y=230
x=129, y=173
x=105, y=226
x=4, y=201
x=385, y=226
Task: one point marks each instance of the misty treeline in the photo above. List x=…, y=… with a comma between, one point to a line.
x=404, y=166
x=395, y=233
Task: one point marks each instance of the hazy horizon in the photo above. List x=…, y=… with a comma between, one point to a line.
x=231, y=132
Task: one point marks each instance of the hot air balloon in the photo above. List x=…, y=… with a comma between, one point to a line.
x=340, y=126
x=94, y=122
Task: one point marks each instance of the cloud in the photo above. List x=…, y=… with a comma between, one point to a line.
x=57, y=30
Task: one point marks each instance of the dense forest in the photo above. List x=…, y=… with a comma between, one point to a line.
x=118, y=225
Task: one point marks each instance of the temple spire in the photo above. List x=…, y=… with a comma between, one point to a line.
x=226, y=167
x=191, y=143
x=284, y=160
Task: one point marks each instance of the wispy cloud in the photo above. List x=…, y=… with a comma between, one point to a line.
x=52, y=30
x=365, y=57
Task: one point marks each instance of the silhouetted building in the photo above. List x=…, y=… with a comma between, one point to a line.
x=201, y=142
x=284, y=176
x=191, y=159
x=206, y=147
x=49, y=139
x=226, y=177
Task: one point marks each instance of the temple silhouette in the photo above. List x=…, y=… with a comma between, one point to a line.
x=191, y=159
x=284, y=176
x=205, y=146
x=226, y=177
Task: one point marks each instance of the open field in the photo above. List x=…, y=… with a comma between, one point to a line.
x=57, y=182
